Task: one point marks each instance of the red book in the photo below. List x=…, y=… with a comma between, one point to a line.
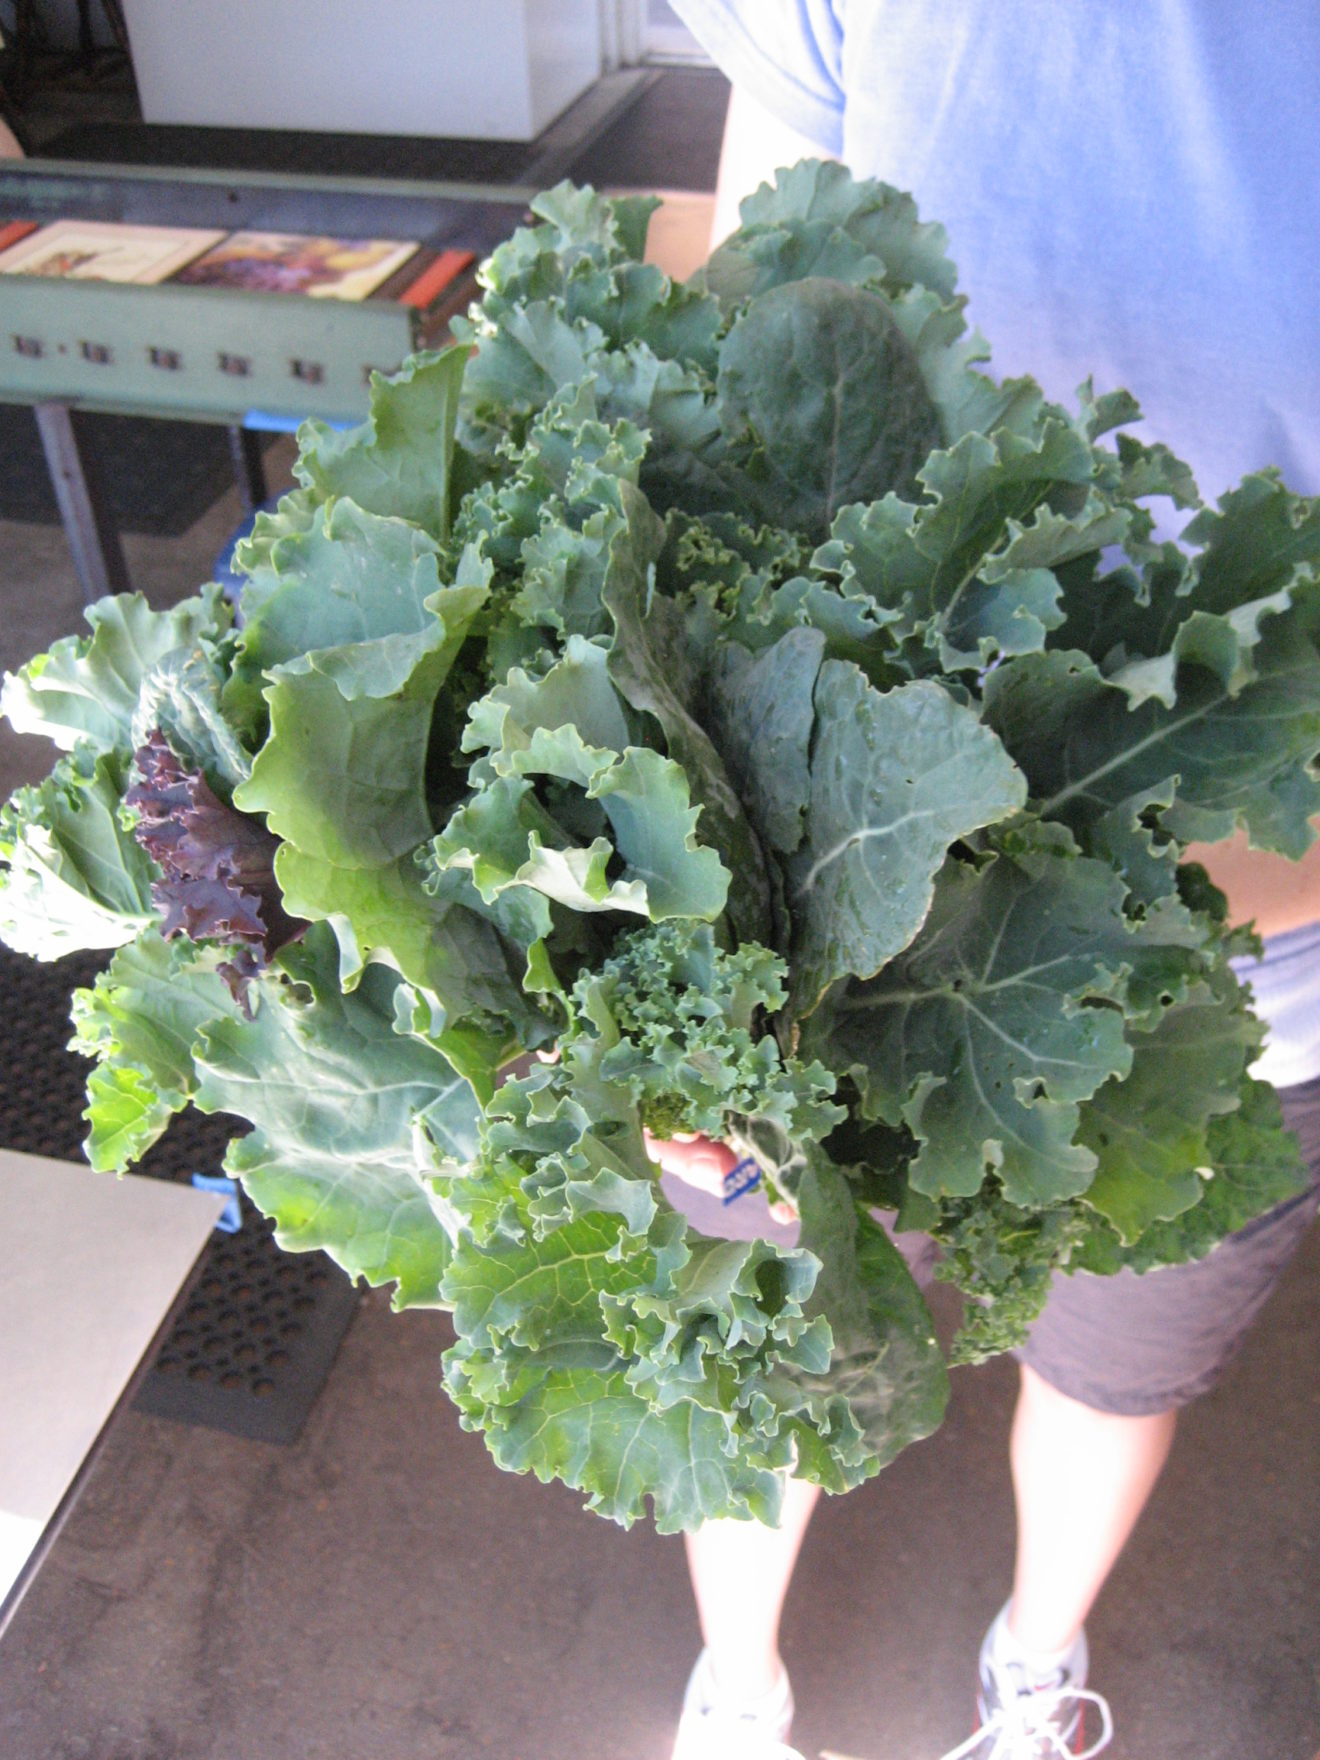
x=437, y=275
x=16, y=229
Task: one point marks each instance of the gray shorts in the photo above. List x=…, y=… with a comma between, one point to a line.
x=1136, y=1344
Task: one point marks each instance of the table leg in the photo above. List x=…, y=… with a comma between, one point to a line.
x=97, y=555
x=245, y=445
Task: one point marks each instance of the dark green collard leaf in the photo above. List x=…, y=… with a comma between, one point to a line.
x=1263, y=544
x=140, y=1021
x=1130, y=839
x=1149, y=1131
x=993, y=512
x=1234, y=759
x=87, y=687
x=342, y=776
x=1012, y=615
x=71, y=875
x=1258, y=542
x=764, y=712
x=895, y=779
x=399, y=461
x=949, y=358
x=1253, y=1165
x=774, y=256
x=827, y=385
x=333, y=1093
x=655, y=671
x=1122, y=613
x=1004, y=1013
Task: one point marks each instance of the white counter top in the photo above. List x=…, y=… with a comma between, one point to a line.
x=90, y=1267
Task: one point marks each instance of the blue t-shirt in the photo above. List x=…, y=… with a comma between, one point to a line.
x=1131, y=189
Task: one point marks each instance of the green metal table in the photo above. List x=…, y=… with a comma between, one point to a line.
x=249, y=360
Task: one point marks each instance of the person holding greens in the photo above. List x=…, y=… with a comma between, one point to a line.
x=1134, y=195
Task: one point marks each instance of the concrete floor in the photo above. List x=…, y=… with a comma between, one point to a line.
x=381, y=1592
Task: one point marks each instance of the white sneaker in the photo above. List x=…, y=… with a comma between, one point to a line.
x=1023, y=1718
x=712, y=1728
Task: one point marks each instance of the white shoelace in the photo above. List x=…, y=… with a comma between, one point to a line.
x=1028, y=1717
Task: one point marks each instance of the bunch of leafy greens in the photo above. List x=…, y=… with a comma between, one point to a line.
x=733, y=688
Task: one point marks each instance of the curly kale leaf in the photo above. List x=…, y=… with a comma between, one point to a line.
x=1002, y=1257
x=601, y=1342
x=140, y=1021
x=691, y=1043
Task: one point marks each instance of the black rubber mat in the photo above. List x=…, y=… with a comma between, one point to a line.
x=253, y=1346
x=256, y=1340
x=160, y=477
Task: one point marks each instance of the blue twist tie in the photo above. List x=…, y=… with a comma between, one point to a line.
x=230, y=1219
x=744, y=1177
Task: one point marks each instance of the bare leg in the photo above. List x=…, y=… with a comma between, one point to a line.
x=740, y=1575
x=1081, y=1479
